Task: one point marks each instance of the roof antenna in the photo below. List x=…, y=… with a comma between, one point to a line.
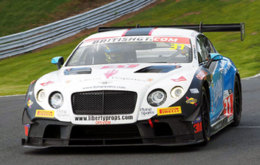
x=200, y=27
x=137, y=26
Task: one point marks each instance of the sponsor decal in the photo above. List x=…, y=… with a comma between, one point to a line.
x=46, y=83
x=29, y=103
x=104, y=87
x=151, y=123
x=228, y=104
x=128, y=79
x=68, y=81
x=180, y=40
x=169, y=111
x=90, y=79
x=100, y=38
x=105, y=82
x=147, y=111
x=194, y=91
x=191, y=100
x=201, y=75
x=110, y=73
x=197, y=127
x=179, y=79
x=104, y=118
x=149, y=79
x=177, y=46
x=26, y=129
x=44, y=113
x=197, y=120
x=123, y=39
x=61, y=113
x=119, y=66
x=217, y=91
x=103, y=122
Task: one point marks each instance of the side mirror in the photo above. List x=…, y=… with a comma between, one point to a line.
x=214, y=57
x=59, y=61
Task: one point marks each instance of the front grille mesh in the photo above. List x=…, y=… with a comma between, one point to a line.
x=104, y=102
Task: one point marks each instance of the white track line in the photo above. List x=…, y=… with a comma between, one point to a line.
x=12, y=95
x=252, y=126
x=247, y=78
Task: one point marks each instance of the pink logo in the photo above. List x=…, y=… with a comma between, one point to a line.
x=120, y=66
x=110, y=73
x=179, y=79
x=47, y=83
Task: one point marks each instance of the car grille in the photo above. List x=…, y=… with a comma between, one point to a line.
x=104, y=102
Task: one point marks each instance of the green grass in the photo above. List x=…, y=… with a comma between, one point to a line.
x=20, y=15
x=16, y=73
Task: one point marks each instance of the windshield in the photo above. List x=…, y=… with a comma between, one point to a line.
x=141, y=49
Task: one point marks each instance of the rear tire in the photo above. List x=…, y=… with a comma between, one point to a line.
x=237, y=103
x=205, y=109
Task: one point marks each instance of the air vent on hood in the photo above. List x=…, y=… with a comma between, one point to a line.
x=73, y=71
x=158, y=69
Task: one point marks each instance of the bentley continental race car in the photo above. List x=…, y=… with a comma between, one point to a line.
x=160, y=85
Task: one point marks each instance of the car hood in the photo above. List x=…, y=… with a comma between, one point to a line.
x=114, y=76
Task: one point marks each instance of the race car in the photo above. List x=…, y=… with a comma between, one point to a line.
x=159, y=85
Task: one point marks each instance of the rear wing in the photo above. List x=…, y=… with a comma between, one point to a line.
x=200, y=28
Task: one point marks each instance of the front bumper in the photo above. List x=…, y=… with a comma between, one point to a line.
x=163, y=131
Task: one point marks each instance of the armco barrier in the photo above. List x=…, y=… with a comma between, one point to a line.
x=44, y=35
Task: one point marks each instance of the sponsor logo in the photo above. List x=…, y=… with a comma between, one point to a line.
x=197, y=120
x=120, y=39
x=228, y=104
x=147, y=111
x=197, y=127
x=120, y=66
x=191, y=101
x=103, y=122
x=110, y=73
x=44, y=113
x=179, y=79
x=169, y=111
x=149, y=79
x=61, y=113
x=104, y=118
x=181, y=40
x=103, y=87
x=201, y=75
x=26, y=129
x=194, y=91
x=46, y=83
x=29, y=103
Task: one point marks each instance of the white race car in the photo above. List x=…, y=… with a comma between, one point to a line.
x=135, y=86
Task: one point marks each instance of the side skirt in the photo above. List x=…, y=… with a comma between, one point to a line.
x=220, y=124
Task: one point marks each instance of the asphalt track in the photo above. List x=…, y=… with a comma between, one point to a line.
x=232, y=146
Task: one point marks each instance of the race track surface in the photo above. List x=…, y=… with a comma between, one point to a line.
x=231, y=146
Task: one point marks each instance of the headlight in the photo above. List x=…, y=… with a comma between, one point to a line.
x=56, y=100
x=177, y=92
x=40, y=95
x=157, y=97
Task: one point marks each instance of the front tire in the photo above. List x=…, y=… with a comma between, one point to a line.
x=205, y=109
